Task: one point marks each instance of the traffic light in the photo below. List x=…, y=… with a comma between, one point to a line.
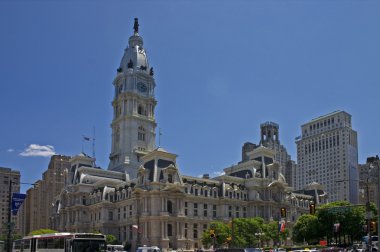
x=312, y=208
x=372, y=226
x=212, y=233
x=283, y=212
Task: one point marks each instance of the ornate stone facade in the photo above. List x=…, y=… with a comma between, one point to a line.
x=147, y=200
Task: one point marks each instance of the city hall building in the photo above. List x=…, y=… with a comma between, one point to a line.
x=144, y=199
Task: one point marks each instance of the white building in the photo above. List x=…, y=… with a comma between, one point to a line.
x=144, y=199
x=327, y=153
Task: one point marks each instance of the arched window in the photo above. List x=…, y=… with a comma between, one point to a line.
x=141, y=134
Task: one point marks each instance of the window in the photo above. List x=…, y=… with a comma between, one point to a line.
x=110, y=215
x=141, y=134
x=170, y=206
x=205, y=210
x=141, y=110
x=214, y=211
x=170, y=230
x=170, y=178
x=195, y=209
x=195, y=231
x=185, y=230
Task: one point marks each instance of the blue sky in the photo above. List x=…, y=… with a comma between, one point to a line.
x=221, y=69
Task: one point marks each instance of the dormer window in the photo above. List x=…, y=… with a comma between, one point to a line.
x=170, y=178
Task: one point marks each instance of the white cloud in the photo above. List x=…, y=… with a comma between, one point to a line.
x=35, y=150
x=10, y=150
x=216, y=174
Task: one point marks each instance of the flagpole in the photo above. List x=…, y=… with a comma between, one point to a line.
x=93, y=147
x=82, y=144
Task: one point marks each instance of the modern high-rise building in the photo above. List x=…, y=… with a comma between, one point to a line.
x=8, y=179
x=133, y=125
x=327, y=153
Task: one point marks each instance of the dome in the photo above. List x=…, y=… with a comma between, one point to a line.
x=134, y=55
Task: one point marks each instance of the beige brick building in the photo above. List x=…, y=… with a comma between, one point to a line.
x=7, y=176
x=35, y=212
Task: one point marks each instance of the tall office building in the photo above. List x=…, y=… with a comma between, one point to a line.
x=7, y=177
x=39, y=199
x=327, y=153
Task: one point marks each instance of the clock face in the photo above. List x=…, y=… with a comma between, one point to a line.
x=141, y=87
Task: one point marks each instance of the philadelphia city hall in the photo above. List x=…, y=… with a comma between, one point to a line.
x=144, y=199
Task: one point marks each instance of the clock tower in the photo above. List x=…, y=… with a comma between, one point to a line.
x=133, y=124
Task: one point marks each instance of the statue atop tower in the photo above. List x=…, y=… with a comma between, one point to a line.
x=136, y=26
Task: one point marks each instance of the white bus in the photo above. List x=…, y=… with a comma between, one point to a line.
x=61, y=242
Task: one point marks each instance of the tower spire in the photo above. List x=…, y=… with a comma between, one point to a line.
x=136, y=26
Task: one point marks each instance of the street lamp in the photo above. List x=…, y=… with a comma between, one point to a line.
x=259, y=234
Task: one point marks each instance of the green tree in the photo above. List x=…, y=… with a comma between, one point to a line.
x=111, y=239
x=42, y=231
x=307, y=229
x=245, y=230
x=221, y=231
x=350, y=217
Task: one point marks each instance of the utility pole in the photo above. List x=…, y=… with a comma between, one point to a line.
x=9, y=239
x=368, y=213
